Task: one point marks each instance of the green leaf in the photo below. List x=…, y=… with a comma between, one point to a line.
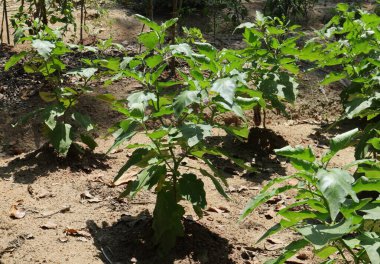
x=326, y=252
x=89, y=141
x=48, y=96
x=290, y=251
x=61, y=138
x=321, y=235
x=158, y=134
x=136, y=157
x=182, y=49
x=151, y=24
x=14, y=60
x=298, y=152
x=86, y=73
x=226, y=88
x=333, y=77
x=126, y=132
x=192, y=189
x=335, y=185
x=339, y=142
x=83, y=120
x=217, y=184
x=147, y=178
x=167, y=223
x=43, y=47
x=206, y=49
x=370, y=241
x=194, y=133
x=184, y=99
x=364, y=184
x=51, y=113
x=149, y=39
x=169, y=23
x=153, y=61
x=262, y=198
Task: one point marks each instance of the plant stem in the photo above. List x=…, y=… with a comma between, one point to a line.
x=350, y=250
x=342, y=253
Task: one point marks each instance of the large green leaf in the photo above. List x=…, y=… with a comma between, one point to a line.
x=149, y=39
x=192, y=189
x=320, y=235
x=216, y=182
x=43, y=47
x=370, y=241
x=298, y=152
x=206, y=49
x=184, y=99
x=226, y=88
x=83, y=120
x=335, y=185
x=290, y=251
x=147, y=178
x=153, y=25
x=154, y=60
x=136, y=157
x=61, y=138
x=127, y=131
x=14, y=60
x=262, y=198
x=167, y=223
x=340, y=142
x=194, y=134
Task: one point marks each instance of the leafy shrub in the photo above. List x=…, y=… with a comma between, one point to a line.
x=33, y=16
x=327, y=213
x=292, y=9
x=59, y=118
x=185, y=110
x=351, y=50
x=271, y=61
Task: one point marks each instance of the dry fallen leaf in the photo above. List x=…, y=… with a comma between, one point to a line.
x=75, y=232
x=86, y=195
x=17, y=212
x=49, y=225
x=63, y=239
x=215, y=210
x=127, y=177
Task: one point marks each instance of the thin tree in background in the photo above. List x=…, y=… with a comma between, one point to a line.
x=174, y=29
x=5, y=20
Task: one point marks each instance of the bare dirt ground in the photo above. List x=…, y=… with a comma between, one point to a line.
x=74, y=215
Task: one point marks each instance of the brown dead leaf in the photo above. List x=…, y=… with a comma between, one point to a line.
x=86, y=195
x=31, y=190
x=63, y=239
x=127, y=177
x=273, y=247
x=16, y=212
x=214, y=210
x=49, y=225
x=95, y=200
x=275, y=241
x=76, y=232
x=224, y=209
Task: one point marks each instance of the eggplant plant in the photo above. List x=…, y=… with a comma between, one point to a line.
x=329, y=212
x=60, y=120
x=184, y=110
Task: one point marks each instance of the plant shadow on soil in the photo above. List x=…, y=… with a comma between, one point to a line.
x=43, y=161
x=258, y=151
x=130, y=239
